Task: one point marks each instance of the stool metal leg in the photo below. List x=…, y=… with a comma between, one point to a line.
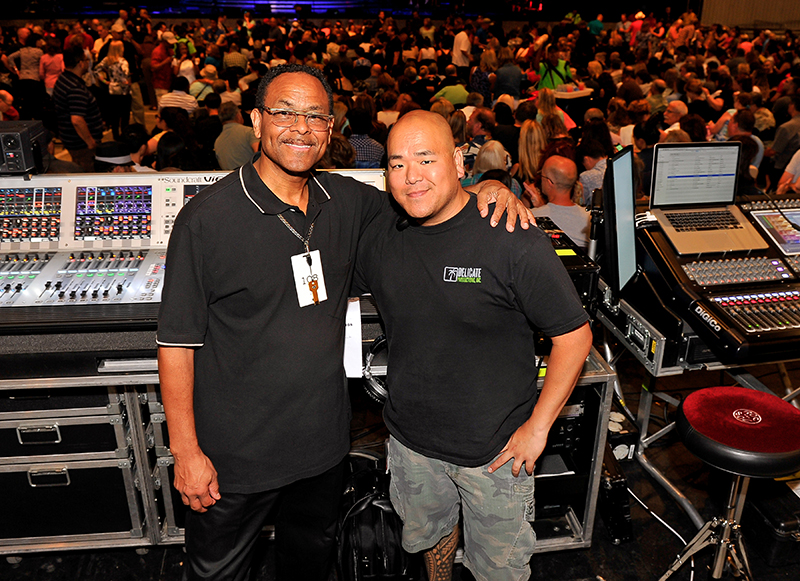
x=730, y=541
x=704, y=537
x=726, y=534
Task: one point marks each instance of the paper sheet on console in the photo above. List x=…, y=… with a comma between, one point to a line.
x=352, y=339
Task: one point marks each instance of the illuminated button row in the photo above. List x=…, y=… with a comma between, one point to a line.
x=758, y=298
x=759, y=312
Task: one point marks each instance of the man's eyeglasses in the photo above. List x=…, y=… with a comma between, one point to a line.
x=287, y=118
x=549, y=179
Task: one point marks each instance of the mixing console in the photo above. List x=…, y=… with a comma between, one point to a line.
x=87, y=251
x=737, y=271
x=80, y=278
x=782, y=203
x=777, y=310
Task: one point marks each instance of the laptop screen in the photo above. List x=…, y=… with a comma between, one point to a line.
x=694, y=174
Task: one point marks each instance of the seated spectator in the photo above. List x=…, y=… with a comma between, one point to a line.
x=7, y=110
x=790, y=179
x=499, y=175
x=445, y=108
x=236, y=143
x=492, y=156
x=554, y=128
x=230, y=88
x=506, y=131
x=135, y=138
x=765, y=121
x=742, y=124
x=747, y=172
x=339, y=154
x=559, y=180
x=389, y=111
x=638, y=112
x=479, y=130
x=532, y=142
x=234, y=58
x=655, y=96
x=675, y=136
x=456, y=94
x=369, y=153
x=673, y=113
x=179, y=96
x=112, y=157
x=173, y=155
x=698, y=101
x=598, y=130
x=203, y=86
x=341, y=123
x=170, y=119
x=719, y=130
x=458, y=125
x=593, y=156
x=474, y=99
x=629, y=90
x=695, y=126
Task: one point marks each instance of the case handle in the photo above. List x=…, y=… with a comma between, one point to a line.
x=31, y=435
x=48, y=477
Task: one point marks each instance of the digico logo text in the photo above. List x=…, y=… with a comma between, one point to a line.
x=712, y=322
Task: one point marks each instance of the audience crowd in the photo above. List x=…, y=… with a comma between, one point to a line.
x=575, y=90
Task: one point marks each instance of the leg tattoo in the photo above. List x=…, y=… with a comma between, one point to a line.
x=439, y=560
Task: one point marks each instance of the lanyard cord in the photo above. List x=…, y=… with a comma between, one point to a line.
x=296, y=233
x=282, y=219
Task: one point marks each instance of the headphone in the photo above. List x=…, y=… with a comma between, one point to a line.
x=373, y=385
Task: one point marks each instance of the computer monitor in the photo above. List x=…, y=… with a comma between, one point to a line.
x=619, y=211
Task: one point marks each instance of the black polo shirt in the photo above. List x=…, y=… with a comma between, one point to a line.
x=270, y=397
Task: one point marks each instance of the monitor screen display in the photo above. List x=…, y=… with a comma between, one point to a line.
x=113, y=212
x=625, y=200
x=191, y=190
x=694, y=174
x=30, y=214
x=619, y=212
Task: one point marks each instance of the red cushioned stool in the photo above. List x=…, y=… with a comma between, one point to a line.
x=750, y=434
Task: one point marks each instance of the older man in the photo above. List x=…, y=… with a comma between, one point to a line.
x=237, y=143
x=559, y=175
x=672, y=115
x=250, y=357
x=462, y=389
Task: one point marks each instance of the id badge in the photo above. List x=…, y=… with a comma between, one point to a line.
x=308, y=278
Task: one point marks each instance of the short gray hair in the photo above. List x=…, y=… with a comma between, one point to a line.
x=228, y=111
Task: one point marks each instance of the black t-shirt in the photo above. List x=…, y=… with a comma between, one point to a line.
x=460, y=301
x=270, y=397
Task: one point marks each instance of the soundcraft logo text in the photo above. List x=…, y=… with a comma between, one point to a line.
x=462, y=274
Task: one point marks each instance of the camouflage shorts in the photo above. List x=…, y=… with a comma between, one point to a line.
x=497, y=511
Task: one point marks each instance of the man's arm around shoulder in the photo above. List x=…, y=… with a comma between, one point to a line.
x=195, y=476
x=563, y=370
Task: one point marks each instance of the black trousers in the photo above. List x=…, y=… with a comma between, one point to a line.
x=220, y=542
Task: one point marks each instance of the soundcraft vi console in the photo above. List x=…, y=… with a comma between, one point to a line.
x=85, y=251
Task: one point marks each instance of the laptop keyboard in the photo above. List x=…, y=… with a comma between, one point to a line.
x=707, y=220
